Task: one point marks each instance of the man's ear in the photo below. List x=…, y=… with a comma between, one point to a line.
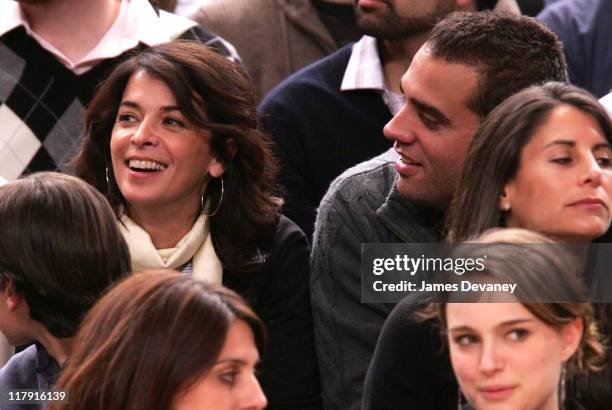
x=11, y=297
x=466, y=5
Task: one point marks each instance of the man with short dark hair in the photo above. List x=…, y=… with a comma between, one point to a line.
x=60, y=249
x=468, y=65
x=329, y=116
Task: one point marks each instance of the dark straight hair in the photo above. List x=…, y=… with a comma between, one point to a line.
x=493, y=157
x=60, y=247
x=150, y=338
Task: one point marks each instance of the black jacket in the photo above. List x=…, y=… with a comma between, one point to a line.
x=278, y=291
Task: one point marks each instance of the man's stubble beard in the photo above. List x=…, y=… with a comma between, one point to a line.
x=387, y=24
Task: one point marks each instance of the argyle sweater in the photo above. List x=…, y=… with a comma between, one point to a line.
x=42, y=102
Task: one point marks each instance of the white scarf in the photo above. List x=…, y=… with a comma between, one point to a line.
x=196, y=246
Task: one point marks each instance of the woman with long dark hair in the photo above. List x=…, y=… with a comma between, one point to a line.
x=162, y=340
x=173, y=143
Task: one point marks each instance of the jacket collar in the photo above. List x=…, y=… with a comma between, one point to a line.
x=303, y=15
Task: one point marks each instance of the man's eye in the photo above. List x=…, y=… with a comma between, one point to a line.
x=429, y=122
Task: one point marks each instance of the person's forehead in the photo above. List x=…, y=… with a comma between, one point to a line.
x=486, y=315
x=438, y=81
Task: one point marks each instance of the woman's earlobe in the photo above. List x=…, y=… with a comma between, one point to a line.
x=216, y=168
x=504, y=202
x=571, y=337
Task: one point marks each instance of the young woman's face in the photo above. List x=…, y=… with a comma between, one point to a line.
x=231, y=383
x=563, y=187
x=506, y=358
x=159, y=158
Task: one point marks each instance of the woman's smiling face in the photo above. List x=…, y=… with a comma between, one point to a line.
x=159, y=158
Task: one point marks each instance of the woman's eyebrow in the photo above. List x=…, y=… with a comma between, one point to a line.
x=130, y=104
x=231, y=360
x=568, y=143
x=605, y=145
x=507, y=323
x=135, y=105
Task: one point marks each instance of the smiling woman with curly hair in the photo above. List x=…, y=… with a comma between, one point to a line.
x=173, y=142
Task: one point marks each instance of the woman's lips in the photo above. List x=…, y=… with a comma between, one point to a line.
x=589, y=203
x=496, y=393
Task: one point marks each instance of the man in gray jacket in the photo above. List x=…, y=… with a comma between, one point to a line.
x=469, y=64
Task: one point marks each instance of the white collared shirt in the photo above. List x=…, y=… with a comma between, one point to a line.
x=137, y=22
x=364, y=71
x=606, y=101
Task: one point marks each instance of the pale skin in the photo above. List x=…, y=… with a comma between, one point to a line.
x=504, y=357
x=59, y=22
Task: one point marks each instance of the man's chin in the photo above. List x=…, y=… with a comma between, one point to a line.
x=418, y=192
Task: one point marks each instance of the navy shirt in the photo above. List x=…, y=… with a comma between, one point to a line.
x=32, y=368
x=585, y=28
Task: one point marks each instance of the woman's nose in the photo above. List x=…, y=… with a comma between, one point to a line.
x=255, y=398
x=591, y=173
x=490, y=360
x=145, y=135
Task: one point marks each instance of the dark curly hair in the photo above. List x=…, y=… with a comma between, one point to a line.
x=214, y=94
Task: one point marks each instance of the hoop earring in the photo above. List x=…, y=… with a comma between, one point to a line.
x=459, y=401
x=110, y=190
x=562, y=387
x=218, y=205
